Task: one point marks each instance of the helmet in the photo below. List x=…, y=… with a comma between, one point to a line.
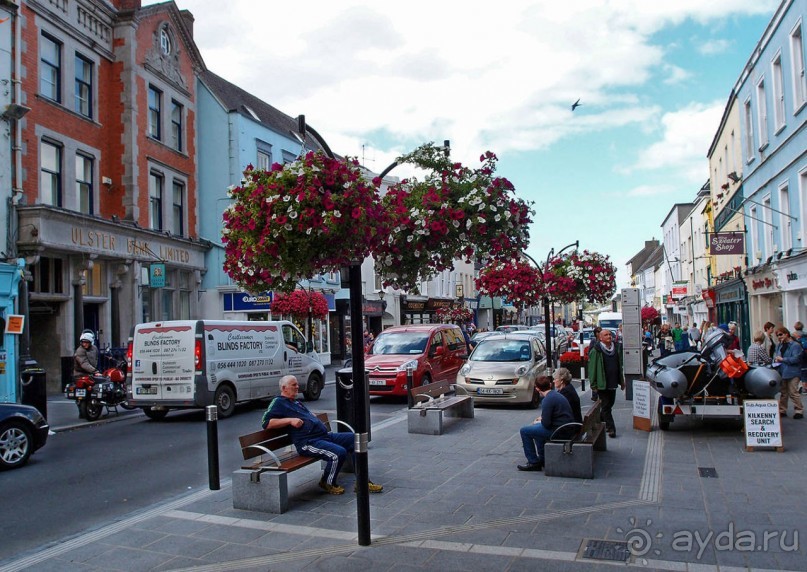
x=87, y=337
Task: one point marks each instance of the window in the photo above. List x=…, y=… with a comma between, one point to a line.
x=184, y=296
x=778, y=93
x=785, y=222
x=176, y=125
x=264, y=161
x=156, y=183
x=762, y=115
x=95, y=280
x=749, y=131
x=84, y=184
x=803, y=205
x=155, y=113
x=165, y=42
x=83, y=86
x=50, y=69
x=179, y=209
x=768, y=226
x=50, y=179
x=47, y=276
x=797, y=59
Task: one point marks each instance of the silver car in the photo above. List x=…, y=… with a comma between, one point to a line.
x=503, y=369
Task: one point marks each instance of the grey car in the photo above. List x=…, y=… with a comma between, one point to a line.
x=503, y=369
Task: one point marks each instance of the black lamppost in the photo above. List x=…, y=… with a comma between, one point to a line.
x=360, y=391
x=547, y=323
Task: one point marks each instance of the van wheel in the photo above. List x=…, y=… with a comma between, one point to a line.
x=314, y=387
x=225, y=401
x=155, y=414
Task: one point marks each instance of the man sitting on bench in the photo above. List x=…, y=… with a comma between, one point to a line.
x=555, y=411
x=310, y=436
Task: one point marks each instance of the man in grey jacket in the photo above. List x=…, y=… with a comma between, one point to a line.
x=85, y=360
x=787, y=357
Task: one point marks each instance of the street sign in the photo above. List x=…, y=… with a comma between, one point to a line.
x=763, y=425
x=641, y=405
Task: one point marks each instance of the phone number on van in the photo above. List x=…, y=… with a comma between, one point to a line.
x=244, y=363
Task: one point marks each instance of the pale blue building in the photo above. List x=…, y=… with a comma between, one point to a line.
x=772, y=96
x=236, y=129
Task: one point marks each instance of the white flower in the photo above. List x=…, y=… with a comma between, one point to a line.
x=480, y=220
x=287, y=226
x=287, y=198
x=468, y=224
x=308, y=231
x=293, y=214
x=497, y=218
x=456, y=223
x=337, y=214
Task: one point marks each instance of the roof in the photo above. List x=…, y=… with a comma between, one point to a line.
x=236, y=100
x=640, y=257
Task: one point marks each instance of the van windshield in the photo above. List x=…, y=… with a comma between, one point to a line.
x=400, y=343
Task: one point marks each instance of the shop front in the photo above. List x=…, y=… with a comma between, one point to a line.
x=10, y=330
x=764, y=297
x=792, y=274
x=106, y=276
x=731, y=303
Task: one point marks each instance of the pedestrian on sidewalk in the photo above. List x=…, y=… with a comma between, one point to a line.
x=788, y=357
x=694, y=336
x=605, y=363
x=801, y=337
x=757, y=354
x=562, y=379
x=310, y=436
x=678, y=337
x=770, y=337
x=595, y=336
x=555, y=412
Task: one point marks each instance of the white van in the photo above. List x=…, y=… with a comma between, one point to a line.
x=610, y=320
x=193, y=363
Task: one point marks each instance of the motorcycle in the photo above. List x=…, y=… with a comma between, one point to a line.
x=94, y=392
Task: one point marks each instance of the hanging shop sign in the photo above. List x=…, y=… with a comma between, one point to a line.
x=723, y=243
x=157, y=275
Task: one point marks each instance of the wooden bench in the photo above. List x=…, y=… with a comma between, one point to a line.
x=262, y=482
x=434, y=401
x=573, y=455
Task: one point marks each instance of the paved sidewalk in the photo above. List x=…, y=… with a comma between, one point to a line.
x=457, y=502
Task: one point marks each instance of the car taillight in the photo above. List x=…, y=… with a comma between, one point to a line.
x=129, y=357
x=197, y=355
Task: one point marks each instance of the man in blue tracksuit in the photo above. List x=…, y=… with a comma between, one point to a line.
x=310, y=436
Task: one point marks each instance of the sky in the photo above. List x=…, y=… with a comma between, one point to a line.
x=378, y=79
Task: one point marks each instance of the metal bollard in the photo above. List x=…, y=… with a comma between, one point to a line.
x=212, y=416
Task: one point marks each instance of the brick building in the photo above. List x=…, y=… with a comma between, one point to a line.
x=107, y=213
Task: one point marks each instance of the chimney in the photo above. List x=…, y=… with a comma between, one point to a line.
x=188, y=19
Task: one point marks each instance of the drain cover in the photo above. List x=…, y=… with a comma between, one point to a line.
x=607, y=550
x=707, y=472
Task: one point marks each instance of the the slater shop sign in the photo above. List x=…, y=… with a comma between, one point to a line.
x=727, y=243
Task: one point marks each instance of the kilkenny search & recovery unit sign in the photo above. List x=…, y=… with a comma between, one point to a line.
x=727, y=243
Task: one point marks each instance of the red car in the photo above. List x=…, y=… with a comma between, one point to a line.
x=434, y=352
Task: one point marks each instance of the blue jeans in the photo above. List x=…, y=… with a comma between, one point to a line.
x=534, y=437
x=332, y=449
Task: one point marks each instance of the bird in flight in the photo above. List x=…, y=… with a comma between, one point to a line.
x=576, y=104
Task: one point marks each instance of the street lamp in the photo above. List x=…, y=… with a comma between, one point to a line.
x=547, y=324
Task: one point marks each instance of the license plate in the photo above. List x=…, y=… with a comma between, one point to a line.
x=489, y=391
x=81, y=393
x=378, y=382
x=146, y=391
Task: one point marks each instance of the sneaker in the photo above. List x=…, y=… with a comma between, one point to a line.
x=798, y=416
x=371, y=486
x=331, y=489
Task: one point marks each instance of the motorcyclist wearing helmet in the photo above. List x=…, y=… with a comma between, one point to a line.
x=85, y=359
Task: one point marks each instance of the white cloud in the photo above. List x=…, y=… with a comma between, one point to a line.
x=675, y=74
x=712, y=47
x=686, y=135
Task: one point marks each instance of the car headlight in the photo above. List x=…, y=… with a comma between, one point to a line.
x=521, y=370
x=465, y=370
x=411, y=364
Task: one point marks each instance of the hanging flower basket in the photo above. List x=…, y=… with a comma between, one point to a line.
x=454, y=212
x=514, y=279
x=580, y=275
x=454, y=315
x=314, y=215
x=298, y=303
